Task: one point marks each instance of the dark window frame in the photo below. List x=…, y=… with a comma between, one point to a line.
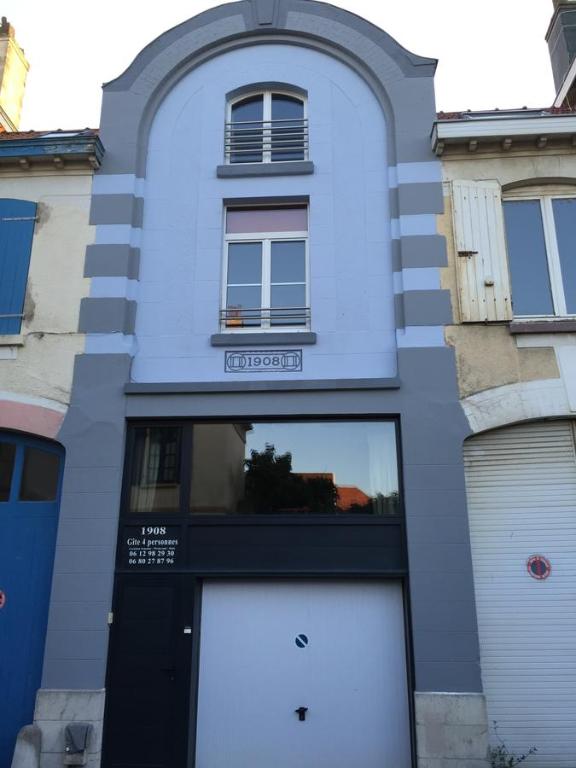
x=185, y=517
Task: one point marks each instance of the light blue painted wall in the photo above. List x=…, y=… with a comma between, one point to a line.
x=181, y=248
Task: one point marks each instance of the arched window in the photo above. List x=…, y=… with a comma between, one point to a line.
x=266, y=127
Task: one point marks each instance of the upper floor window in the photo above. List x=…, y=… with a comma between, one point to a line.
x=17, y=219
x=266, y=268
x=541, y=240
x=266, y=127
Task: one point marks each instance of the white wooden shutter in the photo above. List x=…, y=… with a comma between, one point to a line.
x=521, y=484
x=481, y=264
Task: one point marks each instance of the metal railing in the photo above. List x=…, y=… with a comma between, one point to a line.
x=264, y=317
x=267, y=141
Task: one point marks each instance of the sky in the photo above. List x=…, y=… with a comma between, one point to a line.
x=491, y=53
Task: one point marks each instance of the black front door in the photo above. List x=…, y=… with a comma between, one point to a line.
x=148, y=686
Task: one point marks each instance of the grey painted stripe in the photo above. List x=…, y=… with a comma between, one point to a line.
x=117, y=209
x=107, y=315
x=399, y=311
x=394, y=203
x=420, y=198
x=112, y=261
x=241, y=170
x=184, y=388
x=427, y=308
x=396, y=256
x=424, y=251
x=260, y=339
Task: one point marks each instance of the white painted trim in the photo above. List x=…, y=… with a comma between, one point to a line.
x=419, y=173
x=114, y=184
x=487, y=127
x=513, y=403
x=414, y=336
x=413, y=224
x=566, y=85
x=113, y=287
x=39, y=402
x=416, y=279
x=110, y=344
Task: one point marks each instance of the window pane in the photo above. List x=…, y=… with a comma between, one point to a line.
x=248, y=109
x=288, y=135
x=155, y=481
x=565, y=220
x=7, y=454
x=39, y=476
x=218, y=452
x=289, y=262
x=531, y=294
x=245, y=138
x=243, y=306
x=295, y=468
x=248, y=220
x=244, y=263
x=288, y=296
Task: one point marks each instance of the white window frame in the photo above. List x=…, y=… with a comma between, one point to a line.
x=267, y=118
x=545, y=198
x=266, y=238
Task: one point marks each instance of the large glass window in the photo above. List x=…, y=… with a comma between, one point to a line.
x=265, y=268
x=268, y=468
x=267, y=127
x=541, y=238
x=155, y=471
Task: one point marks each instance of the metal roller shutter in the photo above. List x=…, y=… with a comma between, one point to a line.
x=521, y=485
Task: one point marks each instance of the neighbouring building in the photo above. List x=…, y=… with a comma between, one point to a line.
x=45, y=185
x=13, y=72
x=311, y=317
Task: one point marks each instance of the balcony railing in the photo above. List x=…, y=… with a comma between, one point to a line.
x=268, y=141
x=264, y=317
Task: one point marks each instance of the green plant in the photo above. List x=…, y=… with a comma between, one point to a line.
x=501, y=757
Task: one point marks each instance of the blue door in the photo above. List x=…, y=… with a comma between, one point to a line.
x=30, y=479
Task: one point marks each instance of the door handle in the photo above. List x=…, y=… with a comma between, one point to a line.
x=301, y=712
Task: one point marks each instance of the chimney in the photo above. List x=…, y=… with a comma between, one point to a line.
x=13, y=71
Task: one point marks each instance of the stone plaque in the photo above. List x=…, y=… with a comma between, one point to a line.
x=271, y=361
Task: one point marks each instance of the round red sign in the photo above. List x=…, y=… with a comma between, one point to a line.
x=2, y=599
x=538, y=567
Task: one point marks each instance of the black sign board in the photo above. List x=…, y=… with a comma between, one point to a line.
x=151, y=547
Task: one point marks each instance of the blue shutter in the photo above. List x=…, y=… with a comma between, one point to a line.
x=17, y=218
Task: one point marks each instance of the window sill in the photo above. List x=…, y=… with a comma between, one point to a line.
x=11, y=340
x=543, y=326
x=262, y=339
x=239, y=170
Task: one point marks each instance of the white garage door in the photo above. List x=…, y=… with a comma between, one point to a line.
x=522, y=502
x=270, y=648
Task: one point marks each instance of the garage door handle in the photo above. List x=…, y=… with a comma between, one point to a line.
x=170, y=671
x=301, y=712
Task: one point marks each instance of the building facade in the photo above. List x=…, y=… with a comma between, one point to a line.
x=311, y=316
x=264, y=484
x=45, y=185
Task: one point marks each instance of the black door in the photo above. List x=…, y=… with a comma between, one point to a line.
x=148, y=684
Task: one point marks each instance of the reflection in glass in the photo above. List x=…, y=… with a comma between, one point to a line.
x=531, y=293
x=288, y=261
x=39, y=475
x=288, y=134
x=253, y=220
x=155, y=481
x=565, y=221
x=246, y=132
x=7, y=454
x=295, y=468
